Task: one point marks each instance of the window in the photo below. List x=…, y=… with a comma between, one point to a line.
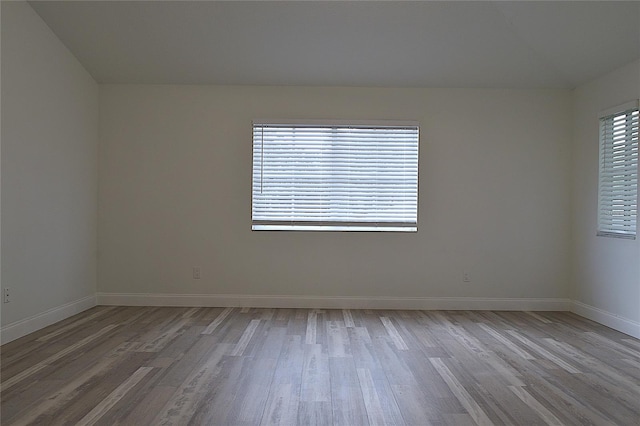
x=618, y=182
x=319, y=176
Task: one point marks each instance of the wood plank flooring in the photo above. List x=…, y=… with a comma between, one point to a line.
x=248, y=366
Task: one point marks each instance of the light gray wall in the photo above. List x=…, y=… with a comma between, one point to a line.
x=175, y=192
x=49, y=173
x=495, y=191
x=605, y=271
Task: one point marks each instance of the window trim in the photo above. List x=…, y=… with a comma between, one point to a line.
x=604, y=115
x=335, y=226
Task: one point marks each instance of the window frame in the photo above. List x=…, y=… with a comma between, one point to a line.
x=335, y=225
x=605, y=229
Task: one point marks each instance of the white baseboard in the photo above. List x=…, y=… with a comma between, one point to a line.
x=265, y=301
x=624, y=325
x=23, y=327
x=28, y=325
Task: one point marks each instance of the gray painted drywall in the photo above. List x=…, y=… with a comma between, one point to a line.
x=175, y=192
x=605, y=271
x=49, y=169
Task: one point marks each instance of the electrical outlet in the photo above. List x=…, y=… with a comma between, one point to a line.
x=7, y=295
x=196, y=272
x=465, y=277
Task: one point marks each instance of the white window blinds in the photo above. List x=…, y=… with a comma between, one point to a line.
x=618, y=182
x=335, y=176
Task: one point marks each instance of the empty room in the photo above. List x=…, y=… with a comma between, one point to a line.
x=319, y=213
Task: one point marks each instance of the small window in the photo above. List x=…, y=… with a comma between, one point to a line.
x=618, y=181
x=335, y=176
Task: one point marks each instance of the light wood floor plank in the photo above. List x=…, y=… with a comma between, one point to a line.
x=315, y=381
x=545, y=414
x=69, y=391
x=183, y=403
x=245, y=338
x=396, y=338
x=74, y=324
x=312, y=324
x=473, y=409
x=506, y=342
x=348, y=318
x=7, y=383
x=277, y=410
x=114, y=397
x=284, y=395
x=545, y=353
x=346, y=394
x=216, y=322
x=375, y=413
x=253, y=366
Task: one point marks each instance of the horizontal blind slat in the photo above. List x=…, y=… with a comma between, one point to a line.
x=618, y=176
x=335, y=174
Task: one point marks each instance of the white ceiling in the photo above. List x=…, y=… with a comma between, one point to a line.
x=409, y=44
